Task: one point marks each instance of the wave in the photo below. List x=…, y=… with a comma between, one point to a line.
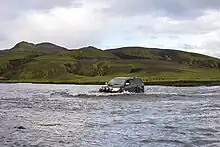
x=165, y=141
x=148, y=93
x=90, y=94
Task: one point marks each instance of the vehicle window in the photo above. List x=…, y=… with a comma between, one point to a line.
x=116, y=81
x=132, y=82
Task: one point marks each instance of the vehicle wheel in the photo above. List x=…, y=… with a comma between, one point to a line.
x=137, y=90
x=142, y=89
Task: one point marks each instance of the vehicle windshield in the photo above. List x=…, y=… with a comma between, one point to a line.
x=117, y=81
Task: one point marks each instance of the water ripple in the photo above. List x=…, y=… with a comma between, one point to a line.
x=78, y=115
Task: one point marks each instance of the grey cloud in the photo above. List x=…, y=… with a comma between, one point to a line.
x=123, y=21
x=35, y=4
x=173, y=37
x=11, y=9
x=42, y=4
x=2, y=38
x=178, y=9
x=177, y=27
x=153, y=37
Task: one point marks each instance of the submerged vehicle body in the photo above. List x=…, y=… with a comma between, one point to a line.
x=124, y=84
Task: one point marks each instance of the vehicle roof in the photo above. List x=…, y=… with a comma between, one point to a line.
x=125, y=78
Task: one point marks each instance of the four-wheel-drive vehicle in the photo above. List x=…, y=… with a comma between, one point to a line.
x=124, y=84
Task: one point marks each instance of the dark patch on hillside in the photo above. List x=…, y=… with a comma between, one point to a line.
x=3, y=53
x=121, y=55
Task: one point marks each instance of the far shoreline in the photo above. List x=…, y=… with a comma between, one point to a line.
x=181, y=83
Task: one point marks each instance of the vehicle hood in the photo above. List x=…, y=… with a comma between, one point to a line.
x=114, y=86
x=111, y=87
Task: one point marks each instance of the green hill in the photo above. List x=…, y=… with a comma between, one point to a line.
x=47, y=62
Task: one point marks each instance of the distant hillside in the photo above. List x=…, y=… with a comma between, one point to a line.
x=50, y=48
x=3, y=52
x=47, y=62
x=166, y=55
x=36, y=48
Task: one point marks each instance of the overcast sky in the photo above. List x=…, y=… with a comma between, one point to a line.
x=191, y=25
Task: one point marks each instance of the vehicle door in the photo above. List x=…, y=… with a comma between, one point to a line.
x=130, y=86
x=139, y=84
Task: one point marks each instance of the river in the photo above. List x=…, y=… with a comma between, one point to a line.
x=77, y=116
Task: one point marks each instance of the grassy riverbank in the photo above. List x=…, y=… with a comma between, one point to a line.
x=49, y=63
x=178, y=83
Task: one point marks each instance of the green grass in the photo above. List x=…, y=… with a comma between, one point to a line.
x=29, y=63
